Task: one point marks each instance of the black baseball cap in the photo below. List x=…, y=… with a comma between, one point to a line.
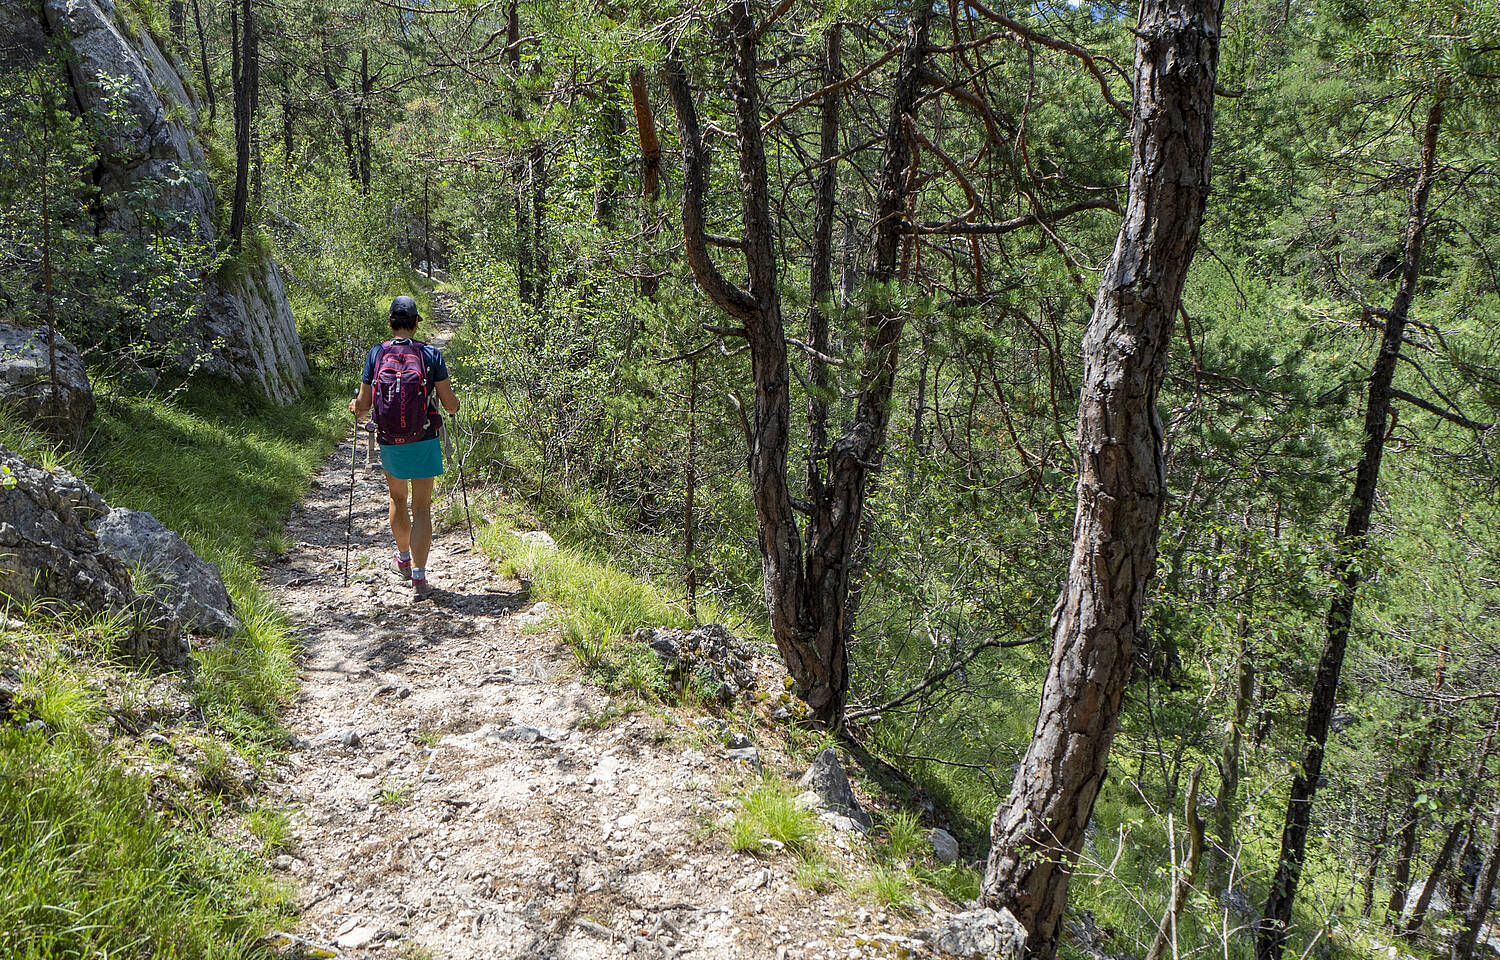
x=404, y=307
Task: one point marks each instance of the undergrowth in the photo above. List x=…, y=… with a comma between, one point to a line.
x=599, y=607
x=108, y=848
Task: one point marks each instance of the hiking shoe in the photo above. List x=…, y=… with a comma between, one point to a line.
x=421, y=587
x=402, y=567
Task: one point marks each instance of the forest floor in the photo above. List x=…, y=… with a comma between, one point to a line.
x=460, y=790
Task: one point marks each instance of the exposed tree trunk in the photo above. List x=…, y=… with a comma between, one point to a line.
x=825, y=193
x=607, y=198
x=1406, y=849
x=1352, y=548
x=1226, y=810
x=362, y=114
x=1377, y=849
x=245, y=65
x=1434, y=876
x=1182, y=879
x=208, y=79
x=177, y=17
x=427, y=224
x=522, y=173
x=645, y=125
x=340, y=112
x=287, y=124
x=542, y=266
x=1484, y=889
x=1038, y=831
x=807, y=597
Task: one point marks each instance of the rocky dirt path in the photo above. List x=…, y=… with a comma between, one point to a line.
x=460, y=794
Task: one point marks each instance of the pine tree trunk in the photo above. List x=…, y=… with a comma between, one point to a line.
x=522, y=171
x=362, y=124
x=1434, y=876
x=1377, y=849
x=1226, y=810
x=208, y=79
x=1038, y=832
x=825, y=194
x=1406, y=850
x=807, y=596
x=1277, y=916
x=1484, y=889
x=245, y=67
x=542, y=265
x=645, y=125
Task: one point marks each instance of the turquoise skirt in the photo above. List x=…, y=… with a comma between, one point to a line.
x=412, y=461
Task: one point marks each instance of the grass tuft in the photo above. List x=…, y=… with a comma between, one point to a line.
x=769, y=811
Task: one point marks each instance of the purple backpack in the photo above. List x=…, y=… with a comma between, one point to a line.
x=400, y=388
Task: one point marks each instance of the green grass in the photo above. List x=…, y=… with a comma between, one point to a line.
x=769, y=811
x=600, y=606
x=97, y=859
x=889, y=886
x=88, y=868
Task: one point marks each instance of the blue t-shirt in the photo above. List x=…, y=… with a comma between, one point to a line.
x=437, y=371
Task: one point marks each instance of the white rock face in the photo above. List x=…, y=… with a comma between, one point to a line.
x=244, y=329
x=190, y=585
x=981, y=934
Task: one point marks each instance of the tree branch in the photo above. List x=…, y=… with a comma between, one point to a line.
x=1448, y=415
x=728, y=297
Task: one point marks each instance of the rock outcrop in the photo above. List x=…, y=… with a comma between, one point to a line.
x=48, y=551
x=719, y=659
x=243, y=329
x=181, y=579
x=826, y=787
x=982, y=934
x=26, y=383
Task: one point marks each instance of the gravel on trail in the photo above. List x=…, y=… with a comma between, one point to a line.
x=459, y=791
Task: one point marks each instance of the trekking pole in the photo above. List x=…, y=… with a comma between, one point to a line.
x=349, y=523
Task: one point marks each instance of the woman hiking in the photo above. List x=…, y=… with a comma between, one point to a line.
x=403, y=382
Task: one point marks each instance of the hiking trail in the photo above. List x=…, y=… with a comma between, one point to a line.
x=453, y=798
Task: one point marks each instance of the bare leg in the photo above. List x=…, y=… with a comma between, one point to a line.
x=421, y=520
x=400, y=519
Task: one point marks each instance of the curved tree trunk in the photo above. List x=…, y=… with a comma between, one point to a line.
x=645, y=125
x=821, y=273
x=1038, y=832
x=807, y=595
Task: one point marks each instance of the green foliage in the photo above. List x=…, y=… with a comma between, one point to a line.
x=91, y=865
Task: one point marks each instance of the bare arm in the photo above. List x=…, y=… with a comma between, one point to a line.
x=361, y=404
x=446, y=396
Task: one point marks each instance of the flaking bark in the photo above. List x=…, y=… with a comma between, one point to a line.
x=1038, y=831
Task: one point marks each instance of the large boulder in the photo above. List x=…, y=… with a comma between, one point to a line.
x=26, y=383
x=48, y=552
x=184, y=581
x=242, y=328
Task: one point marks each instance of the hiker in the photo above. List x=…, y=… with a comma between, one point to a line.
x=403, y=382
